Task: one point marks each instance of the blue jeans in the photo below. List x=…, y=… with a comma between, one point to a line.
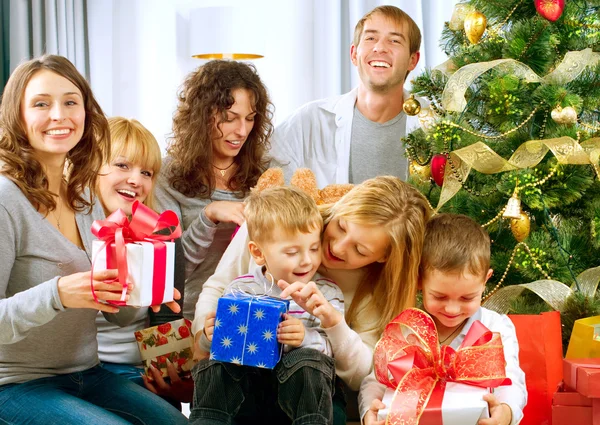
x=132, y=373
x=298, y=391
x=94, y=396
x=129, y=372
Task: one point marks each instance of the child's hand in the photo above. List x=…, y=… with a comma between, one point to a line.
x=371, y=415
x=311, y=299
x=500, y=413
x=209, y=325
x=290, y=331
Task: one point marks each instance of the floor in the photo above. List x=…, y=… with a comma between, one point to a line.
x=186, y=412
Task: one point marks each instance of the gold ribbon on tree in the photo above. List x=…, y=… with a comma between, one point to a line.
x=453, y=97
x=482, y=158
x=553, y=292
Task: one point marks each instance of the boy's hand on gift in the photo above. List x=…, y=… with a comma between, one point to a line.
x=179, y=389
x=209, y=325
x=500, y=413
x=226, y=212
x=310, y=298
x=371, y=415
x=75, y=290
x=290, y=331
x=175, y=308
x=199, y=353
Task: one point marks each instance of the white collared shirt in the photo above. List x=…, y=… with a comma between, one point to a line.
x=318, y=136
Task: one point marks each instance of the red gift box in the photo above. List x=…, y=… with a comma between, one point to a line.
x=570, y=408
x=583, y=376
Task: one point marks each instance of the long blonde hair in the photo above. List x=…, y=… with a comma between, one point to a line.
x=400, y=209
x=131, y=140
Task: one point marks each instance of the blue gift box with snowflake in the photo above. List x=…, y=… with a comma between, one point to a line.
x=246, y=330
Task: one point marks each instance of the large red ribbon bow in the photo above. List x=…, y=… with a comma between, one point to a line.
x=409, y=360
x=143, y=227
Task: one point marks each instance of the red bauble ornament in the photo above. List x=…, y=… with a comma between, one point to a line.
x=438, y=167
x=550, y=9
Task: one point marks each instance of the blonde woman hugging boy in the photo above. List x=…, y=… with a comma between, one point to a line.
x=285, y=228
x=455, y=266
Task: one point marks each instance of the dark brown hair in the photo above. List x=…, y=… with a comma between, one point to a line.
x=83, y=161
x=204, y=99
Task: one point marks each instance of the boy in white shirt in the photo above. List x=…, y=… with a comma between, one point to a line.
x=455, y=266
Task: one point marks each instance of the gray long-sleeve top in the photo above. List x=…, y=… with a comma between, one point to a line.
x=39, y=337
x=203, y=241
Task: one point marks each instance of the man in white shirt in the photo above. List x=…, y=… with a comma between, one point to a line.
x=356, y=136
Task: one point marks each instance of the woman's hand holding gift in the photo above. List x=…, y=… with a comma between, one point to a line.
x=311, y=299
x=175, y=308
x=75, y=290
x=178, y=389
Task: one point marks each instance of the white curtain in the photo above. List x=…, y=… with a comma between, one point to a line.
x=139, y=50
x=49, y=26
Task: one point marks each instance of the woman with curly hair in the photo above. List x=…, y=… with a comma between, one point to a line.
x=53, y=141
x=217, y=152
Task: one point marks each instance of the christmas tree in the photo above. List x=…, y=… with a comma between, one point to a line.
x=512, y=138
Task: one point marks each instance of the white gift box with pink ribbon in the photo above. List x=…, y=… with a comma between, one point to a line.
x=152, y=283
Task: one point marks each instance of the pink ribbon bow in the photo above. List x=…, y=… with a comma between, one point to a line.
x=142, y=227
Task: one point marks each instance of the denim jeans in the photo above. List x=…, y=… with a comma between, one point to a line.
x=133, y=374
x=94, y=396
x=298, y=391
x=127, y=371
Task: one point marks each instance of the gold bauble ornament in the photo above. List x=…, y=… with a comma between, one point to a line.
x=457, y=21
x=566, y=115
x=513, y=207
x=421, y=171
x=411, y=106
x=475, y=23
x=520, y=227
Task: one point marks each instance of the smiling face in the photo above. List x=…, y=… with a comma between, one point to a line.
x=53, y=114
x=452, y=297
x=292, y=257
x=383, y=55
x=347, y=245
x=122, y=182
x=235, y=128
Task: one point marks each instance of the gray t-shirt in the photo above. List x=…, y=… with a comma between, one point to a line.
x=203, y=242
x=376, y=149
x=39, y=337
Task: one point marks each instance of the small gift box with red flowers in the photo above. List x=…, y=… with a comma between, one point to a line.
x=172, y=341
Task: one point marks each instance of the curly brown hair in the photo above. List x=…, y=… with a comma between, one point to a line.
x=83, y=161
x=204, y=99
